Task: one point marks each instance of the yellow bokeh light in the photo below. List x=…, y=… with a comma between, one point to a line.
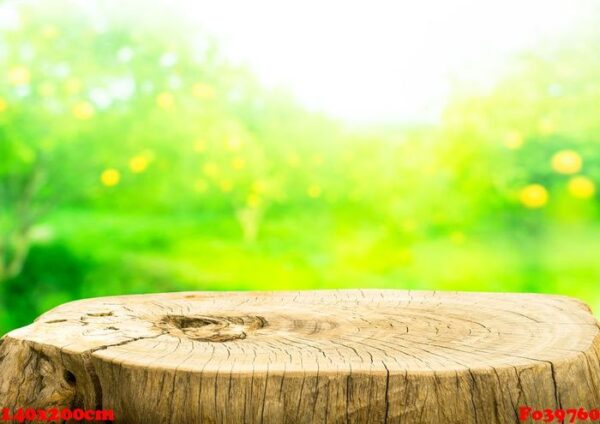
x=566, y=162
x=83, y=111
x=199, y=146
x=534, y=196
x=259, y=186
x=165, y=100
x=19, y=75
x=429, y=169
x=138, y=164
x=200, y=185
x=3, y=105
x=238, y=163
x=314, y=191
x=581, y=187
x=210, y=169
x=233, y=144
x=110, y=177
x=203, y=91
x=49, y=31
x=46, y=89
x=513, y=140
x=253, y=200
x=226, y=186
x=73, y=85
x=546, y=126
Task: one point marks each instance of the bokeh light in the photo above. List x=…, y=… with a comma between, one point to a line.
x=513, y=140
x=165, y=100
x=314, y=191
x=238, y=163
x=19, y=75
x=200, y=145
x=534, y=196
x=566, y=162
x=138, y=164
x=253, y=200
x=203, y=91
x=210, y=169
x=50, y=31
x=83, y=111
x=110, y=177
x=581, y=187
x=46, y=89
x=547, y=126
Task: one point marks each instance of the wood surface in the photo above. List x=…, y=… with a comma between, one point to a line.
x=340, y=356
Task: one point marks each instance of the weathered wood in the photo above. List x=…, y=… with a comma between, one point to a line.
x=369, y=356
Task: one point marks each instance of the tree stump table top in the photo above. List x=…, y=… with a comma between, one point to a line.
x=364, y=356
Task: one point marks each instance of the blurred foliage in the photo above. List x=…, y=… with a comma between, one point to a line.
x=134, y=158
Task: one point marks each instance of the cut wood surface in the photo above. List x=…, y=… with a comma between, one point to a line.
x=357, y=356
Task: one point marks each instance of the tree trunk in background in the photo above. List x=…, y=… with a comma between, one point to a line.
x=13, y=254
x=18, y=199
x=348, y=356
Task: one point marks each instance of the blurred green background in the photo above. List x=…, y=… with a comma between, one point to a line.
x=131, y=162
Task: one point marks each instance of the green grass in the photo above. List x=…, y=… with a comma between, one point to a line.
x=96, y=254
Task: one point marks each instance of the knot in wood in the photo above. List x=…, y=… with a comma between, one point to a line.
x=212, y=328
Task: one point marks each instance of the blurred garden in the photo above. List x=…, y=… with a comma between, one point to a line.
x=135, y=158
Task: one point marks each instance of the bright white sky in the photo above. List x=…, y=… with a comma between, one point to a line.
x=381, y=61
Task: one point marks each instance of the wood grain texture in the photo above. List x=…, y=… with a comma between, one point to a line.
x=343, y=356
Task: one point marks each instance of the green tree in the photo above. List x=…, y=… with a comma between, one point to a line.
x=102, y=110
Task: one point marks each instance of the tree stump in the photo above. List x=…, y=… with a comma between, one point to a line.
x=356, y=356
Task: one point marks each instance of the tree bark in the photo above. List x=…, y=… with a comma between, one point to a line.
x=345, y=356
